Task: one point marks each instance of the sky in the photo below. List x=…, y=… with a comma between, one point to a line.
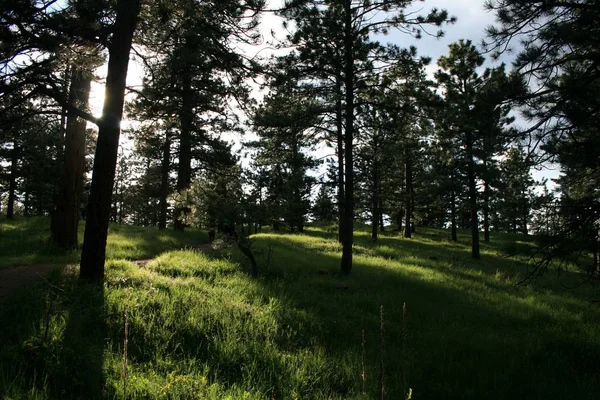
x=472, y=19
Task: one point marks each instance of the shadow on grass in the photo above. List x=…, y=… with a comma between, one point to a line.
x=438, y=252
x=53, y=341
x=26, y=241
x=466, y=338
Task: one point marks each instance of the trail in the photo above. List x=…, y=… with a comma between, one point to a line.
x=14, y=278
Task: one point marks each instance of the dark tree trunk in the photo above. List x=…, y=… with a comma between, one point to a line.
x=186, y=116
x=597, y=250
x=374, y=224
x=12, y=181
x=297, y=209
x=525, y=212
x=26, y=199
x=105, y=161
x=340, y=157
x=164, y=181
x=375, y=204
x=348, y=230
x=399, y=220
x=408, y=180
x=472, y=197
x=453, y=215
x=381, y=223
x=486, y=204
x=66, y=215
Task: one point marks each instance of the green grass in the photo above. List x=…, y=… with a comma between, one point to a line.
x=26, y=241
x=200, y=327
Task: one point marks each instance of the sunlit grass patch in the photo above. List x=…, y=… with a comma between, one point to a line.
x=190, y=264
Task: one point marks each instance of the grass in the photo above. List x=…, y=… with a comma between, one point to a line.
x=200, y=327
x=26, y=241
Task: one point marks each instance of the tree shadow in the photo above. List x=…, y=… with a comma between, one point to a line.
x=465, y=337
x=54, y=339
x=504, y=260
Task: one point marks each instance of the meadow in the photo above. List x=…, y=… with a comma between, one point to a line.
x=417, y=318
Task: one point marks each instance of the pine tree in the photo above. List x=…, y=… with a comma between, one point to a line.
x=346, y=26
x=516, y=193
x=193, y=75
x=559, y=54
x=283, y=124
x=98, y=210
x=460, y=80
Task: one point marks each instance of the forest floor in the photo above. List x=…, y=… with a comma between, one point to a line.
x=28, y=240
x=12, y=279
x=17, y=277
x=415, y=316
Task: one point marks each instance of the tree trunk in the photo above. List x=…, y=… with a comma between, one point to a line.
x=340, y=157
x=486, y=204
x=60, y=152
x=453, y=214
x=66, y=215
x=105, y=160
x=408, y=180
x=472, y=197
x=26, y=199
x=186, y=116
x=381, y=222
x=164, y=181
x=12, y=181
x=348, y=229
x=597, y=250
x=525, y=212
x=375, y=203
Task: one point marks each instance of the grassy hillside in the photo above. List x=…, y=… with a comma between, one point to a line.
x=26, y=241
x=200, y=327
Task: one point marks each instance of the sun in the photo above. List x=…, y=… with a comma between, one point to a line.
x=135, y=74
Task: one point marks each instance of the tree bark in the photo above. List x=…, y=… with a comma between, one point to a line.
x=348, y=229
x=26, y=199
x=486, y=204
x=399, y=219
x=375, y=203
x=525, y=212
x=12, y=181
x=381, y=223
x=597, y=250
x=408, y=180
x=472, y=197
x=186, y=116
x=66, y=215
x=340, y=157
x=164, y=181
x=105, y=161
x=453, y=214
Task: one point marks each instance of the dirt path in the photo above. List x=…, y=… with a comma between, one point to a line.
x=14, y=278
